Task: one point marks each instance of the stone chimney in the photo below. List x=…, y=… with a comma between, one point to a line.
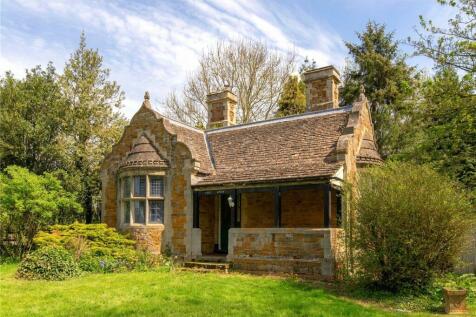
x=221, y=108
x=322, y=91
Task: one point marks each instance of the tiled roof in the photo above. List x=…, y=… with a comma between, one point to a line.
x=143, y=153
x=368, y=153
x=194, y=139
x=297, y=147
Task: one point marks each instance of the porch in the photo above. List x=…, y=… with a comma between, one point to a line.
x=282, y=229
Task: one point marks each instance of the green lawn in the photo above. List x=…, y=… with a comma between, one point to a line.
x=172, y=294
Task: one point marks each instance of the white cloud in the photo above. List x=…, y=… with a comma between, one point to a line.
x=154, y=47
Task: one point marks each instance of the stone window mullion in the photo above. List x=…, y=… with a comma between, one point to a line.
x=146, y=220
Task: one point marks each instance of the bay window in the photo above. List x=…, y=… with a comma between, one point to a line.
x=142, y=199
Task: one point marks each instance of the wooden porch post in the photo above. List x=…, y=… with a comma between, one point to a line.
x=327, y=205
x=196, y=209
x=233, y=210
x=277, y=207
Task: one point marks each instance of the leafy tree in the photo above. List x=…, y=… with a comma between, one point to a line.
x=454, y=46
x=377, y=65
x=292, y=99
x=444, y=127
x=29, y=203
x=255, y=73
x=94, y=124
x=443, y=130
x=411, y=224
x=32, y=122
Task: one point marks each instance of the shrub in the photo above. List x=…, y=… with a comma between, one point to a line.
x=48, y=264
x=410, y=225
x=29, y=203
x=95, y=239
x=97, y=247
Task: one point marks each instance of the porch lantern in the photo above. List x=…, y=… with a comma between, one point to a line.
x=231, y=203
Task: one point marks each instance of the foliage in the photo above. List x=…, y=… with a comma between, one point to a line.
x=428, y=299
x=63, y=124
x=454, y=46
x=444, y=127
x=389, y=83
x=466, y=281
x=48, y=264
x=159, y=293
x=29, y=203
x=254, y=72
x=88, y=239
x=93, y=124
x=411, y=224
x=32, y=121
x=292, y=99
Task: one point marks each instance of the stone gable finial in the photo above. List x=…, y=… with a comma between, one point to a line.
x=362, y=93
x=362, y=89
x=146, y=102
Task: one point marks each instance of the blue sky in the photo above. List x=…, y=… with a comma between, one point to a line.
x=154, y=45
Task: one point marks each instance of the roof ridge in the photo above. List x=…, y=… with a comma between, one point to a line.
x=179, y=122
x=282, y=119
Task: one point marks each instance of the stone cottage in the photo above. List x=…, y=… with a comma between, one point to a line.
x=266, y=194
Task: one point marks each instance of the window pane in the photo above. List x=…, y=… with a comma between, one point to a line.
x=139, y=211
x=127, y=187
x=156, y=211
x=156, y=186
x=139, y=186
x=127, y=212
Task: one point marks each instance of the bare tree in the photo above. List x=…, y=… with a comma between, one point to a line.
x=254, y=72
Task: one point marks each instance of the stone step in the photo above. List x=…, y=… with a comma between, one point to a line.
x=208, y=266
x=211, y=258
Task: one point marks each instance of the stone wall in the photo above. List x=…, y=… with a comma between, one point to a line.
x=319, y=94
x=207, y=223
x=311, y=252
x=257, y=210
x=148, y=238
x=181, y=204
x=300, y=208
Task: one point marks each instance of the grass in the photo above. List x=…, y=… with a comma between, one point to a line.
x=173, y=294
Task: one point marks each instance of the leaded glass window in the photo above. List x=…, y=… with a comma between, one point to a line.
x=156, y=186
x=126, y=181
x=139, y=186
x=156, y=211
x=139, y=211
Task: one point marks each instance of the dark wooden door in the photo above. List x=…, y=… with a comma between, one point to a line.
x=225, y=222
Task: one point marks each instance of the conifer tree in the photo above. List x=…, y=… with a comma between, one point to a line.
x=378, y=66
x=94, y=122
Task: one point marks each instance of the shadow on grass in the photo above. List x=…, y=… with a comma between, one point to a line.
x=430, y=302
